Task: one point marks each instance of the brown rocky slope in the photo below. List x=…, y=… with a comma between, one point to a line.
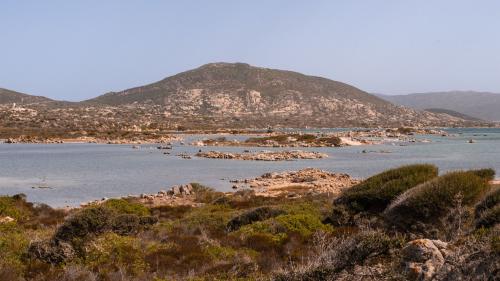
x=240, y=95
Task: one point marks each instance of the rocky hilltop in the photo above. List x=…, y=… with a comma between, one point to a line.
x=240, y=95
x=213, y=96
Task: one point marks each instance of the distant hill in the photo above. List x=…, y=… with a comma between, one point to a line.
x=453, y=113
x=8, y=96
x=480, y=105
x=237, y=93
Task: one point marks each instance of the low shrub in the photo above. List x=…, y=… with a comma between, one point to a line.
x=145, y=221
x=112, y=252
x=122, y=206
x=13, y=244
x=251, y=216
x=205, y=194
x=489, y=201
x=15, y=207
x=125, y=224
x=212, y=218
x=51, y=252
x=358, y=248
x=344, y=254
x=487, y=174
x=170, y=212
x=340, y=216
x=430, y=201
x=495, y=244
x=89, y=221
x=303, y=224
x=376, y=192
x=128, y=224
x=489, y=218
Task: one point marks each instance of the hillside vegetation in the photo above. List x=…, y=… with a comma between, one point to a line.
x=422, y=227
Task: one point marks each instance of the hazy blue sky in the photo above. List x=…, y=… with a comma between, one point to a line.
x=80, y=49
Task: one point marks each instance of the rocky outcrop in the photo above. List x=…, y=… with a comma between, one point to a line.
x=177, y=195
x=423, y=258
x=298, y=183
x=264, y=155
x=241, y=95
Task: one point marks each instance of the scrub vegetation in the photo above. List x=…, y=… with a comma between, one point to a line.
x=361, y=235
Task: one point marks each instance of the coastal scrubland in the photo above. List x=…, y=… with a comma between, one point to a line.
x=408, y=223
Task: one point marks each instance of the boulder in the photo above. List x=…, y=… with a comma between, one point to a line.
x=423, y=258
x=176, y=190
x=184, y=190
x=6, y=219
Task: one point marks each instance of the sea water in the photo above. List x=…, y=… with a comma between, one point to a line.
x=69, y=174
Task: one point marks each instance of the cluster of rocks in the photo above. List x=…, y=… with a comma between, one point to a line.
x=175, y=196
x=264, y=155
x=376, y=135
x=177, y=190
x=307, y=181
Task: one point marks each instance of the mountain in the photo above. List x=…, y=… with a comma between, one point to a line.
x=453, y=113
x=240, y=95
x=480, y=105
x=8, y=96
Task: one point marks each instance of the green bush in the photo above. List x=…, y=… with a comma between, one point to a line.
x=94, y=220
x=13, y=243
x=251, y=216
x=489, y=218
x=15, y=207
x=489, y=201
x=122, y=206
x=303, y=224
x=429, y=202
x=205, y=194
x=487, y=174
x=128, y=224
x=213, y=218
x=376, y=192
x=113, y=251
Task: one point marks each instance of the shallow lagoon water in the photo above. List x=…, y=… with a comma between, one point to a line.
x=78, y=173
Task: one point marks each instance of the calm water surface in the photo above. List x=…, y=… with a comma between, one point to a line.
x=77, y=173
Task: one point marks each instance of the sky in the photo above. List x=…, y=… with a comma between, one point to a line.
x=75, y=50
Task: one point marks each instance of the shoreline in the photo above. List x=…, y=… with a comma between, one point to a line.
x=169, y=136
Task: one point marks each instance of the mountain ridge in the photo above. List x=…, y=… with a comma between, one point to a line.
x=482, y=105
